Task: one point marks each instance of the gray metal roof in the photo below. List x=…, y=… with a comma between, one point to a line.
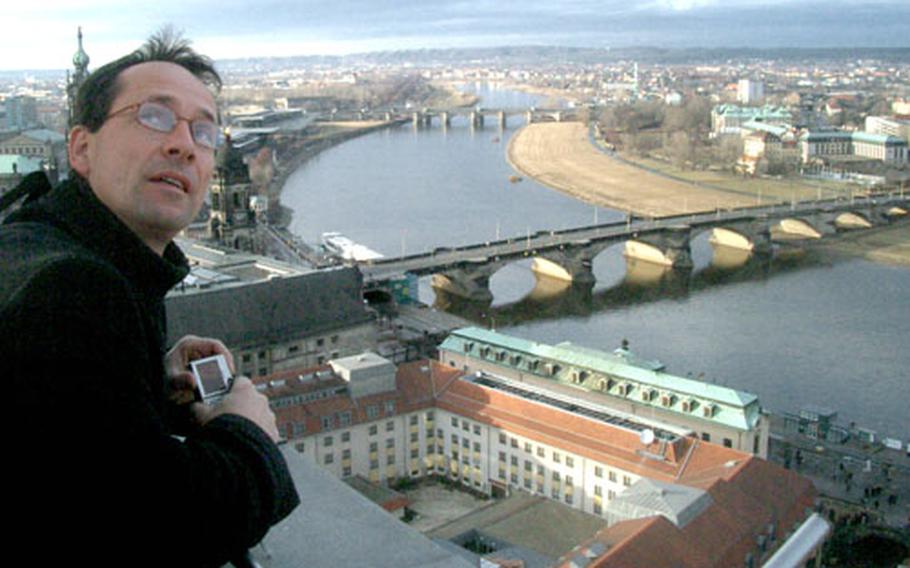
x=272, y=310
x=647, y=497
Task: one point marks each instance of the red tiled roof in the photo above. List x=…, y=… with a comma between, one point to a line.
x=746, y=500
x=582, y=435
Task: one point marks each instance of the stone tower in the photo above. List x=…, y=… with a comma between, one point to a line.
x=231, y=220
x=75, y=79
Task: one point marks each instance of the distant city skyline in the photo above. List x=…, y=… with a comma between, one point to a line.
x=42, y=35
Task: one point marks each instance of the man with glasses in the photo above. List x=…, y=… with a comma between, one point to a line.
x=103, y=458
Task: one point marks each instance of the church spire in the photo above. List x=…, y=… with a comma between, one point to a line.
x=75, y=80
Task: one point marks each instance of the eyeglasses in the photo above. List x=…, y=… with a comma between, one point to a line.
x=160, y=118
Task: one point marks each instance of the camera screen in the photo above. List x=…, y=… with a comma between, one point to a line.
x=210, y=377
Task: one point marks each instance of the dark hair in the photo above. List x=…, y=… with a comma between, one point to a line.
x=101, y=87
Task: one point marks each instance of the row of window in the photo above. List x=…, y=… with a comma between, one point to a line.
x=24, y=150
x=541, y=451
x=466, y=426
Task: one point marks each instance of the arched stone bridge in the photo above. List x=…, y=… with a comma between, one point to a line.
x=568, y=254
x=477, y=116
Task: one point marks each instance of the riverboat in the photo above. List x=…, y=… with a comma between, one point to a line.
x=344, y=248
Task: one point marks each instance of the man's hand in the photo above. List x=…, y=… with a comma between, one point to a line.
x=243, y=400
x=181, y=384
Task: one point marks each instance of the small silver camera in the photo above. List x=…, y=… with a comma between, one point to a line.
x=213, y=378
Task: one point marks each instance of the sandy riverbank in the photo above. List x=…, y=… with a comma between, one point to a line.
x=561, y=156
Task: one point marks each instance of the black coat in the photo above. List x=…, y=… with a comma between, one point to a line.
x=96, y=468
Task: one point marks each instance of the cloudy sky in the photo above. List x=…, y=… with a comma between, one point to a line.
x=40, y=34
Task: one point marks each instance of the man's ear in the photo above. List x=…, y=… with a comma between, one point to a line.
x=78, y=149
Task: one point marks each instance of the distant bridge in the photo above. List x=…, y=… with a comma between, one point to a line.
x=477, y=116
x=568, y=254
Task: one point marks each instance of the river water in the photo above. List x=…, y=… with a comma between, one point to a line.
x=803, y=327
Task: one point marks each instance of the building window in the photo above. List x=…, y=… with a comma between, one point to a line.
x=476, y=446
x=373, y=430
x=541, y=453
x=414, y=436
x=598, y=471
x=329, y=458
x=706, y=437
x=390, y=442
x=612, y=476
x=412, y=420
x=513, y=442
x=556, y=457
x=598, y=490
x=374, y=446
x=346, y=454
x=389, y=426
x=728, y=443
x=528, y=447
x=389, y=407
x=454, y=422
x=502, y=438
x=390, y=459
x=514, y=460
x=373, y=412
x=570, y=461
x=346, y=471
x=502, y=457
x=345, y=436
x=327, y=441
x=626, y=480
x=477, y=429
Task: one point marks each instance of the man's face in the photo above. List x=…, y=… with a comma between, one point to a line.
x=153, y=181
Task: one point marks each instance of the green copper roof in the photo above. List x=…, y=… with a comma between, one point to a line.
x=858, y=136
x=764, y=112
x=620, y=374
x=775, y=129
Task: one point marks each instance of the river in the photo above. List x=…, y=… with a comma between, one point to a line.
x=799, y=328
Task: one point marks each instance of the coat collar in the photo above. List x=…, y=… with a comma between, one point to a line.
x=73, y=208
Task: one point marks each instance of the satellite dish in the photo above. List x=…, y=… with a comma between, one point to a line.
x=646, y=436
